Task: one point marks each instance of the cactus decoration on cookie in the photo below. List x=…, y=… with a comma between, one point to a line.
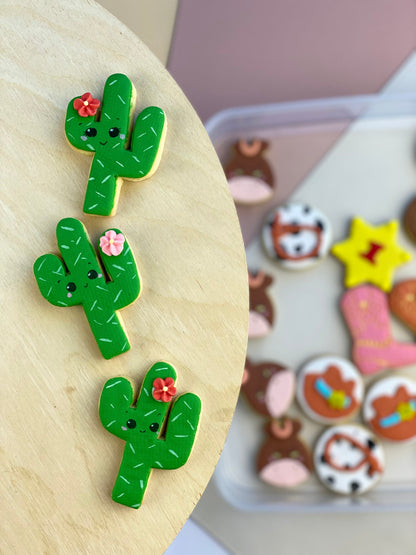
x=80, y=280
x=120, y=152
x=140, y=425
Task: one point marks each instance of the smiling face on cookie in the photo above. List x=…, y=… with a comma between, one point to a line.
x=296, y=235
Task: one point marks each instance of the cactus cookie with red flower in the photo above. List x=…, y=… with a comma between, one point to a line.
x=80, y=280
x=151, y=442
x=121, y=150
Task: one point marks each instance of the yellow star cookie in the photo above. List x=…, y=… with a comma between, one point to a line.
x=370, y=254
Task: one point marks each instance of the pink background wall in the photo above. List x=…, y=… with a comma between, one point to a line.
x=236, y=52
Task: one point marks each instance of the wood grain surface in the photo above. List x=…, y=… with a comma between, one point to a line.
x=58, y=462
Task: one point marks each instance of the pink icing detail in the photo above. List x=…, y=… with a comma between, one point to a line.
x=112, y=243
x=284, y=473
x=258, y=326
x=249, y=190
x=86, y=105
x=69, y=295
x=366, y=312
x=245, y=377
x=280, y=392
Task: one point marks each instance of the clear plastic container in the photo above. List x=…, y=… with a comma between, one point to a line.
x=348, y=157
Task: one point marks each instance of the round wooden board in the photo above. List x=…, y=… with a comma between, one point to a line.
x=58, y=462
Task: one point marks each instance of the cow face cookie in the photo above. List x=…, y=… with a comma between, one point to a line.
x=268, y=387
x=348, y=459
x=330, y=389
x=297, y=235
x=284, y=460
x=249, y=175
x=261, y=315
x=390, y=408
x=409, y=220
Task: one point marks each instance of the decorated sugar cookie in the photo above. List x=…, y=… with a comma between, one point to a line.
x=371, y=254
x=121, y=150
x=261, y=315
x=390, y=408
x=249, y=175
x=409, y=220
x=330, y=389
x=348, y=459
x=79, y=279
x=402, y=302
x=268, y=387
x=366, y=312
x=296, y=235
x=284, y=461
x=153, y=439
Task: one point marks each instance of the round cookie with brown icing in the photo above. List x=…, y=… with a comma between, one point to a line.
x=268, y=387
x=284, y=461
x=409, y=220
x=390, y=408
x=297, y=235
x=330, y=389
x=248, y=172
x=261, y=314
x=349, y=459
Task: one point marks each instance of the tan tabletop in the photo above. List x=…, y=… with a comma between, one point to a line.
x=58, y=462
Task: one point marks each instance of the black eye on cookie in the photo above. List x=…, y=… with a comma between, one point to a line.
x=91, y=132
x=131, y=423
x=71, y=287
x=154, y=427
x=92, y=274
x=114, y=131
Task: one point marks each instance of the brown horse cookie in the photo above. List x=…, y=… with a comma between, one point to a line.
x=284, y=460
x=402, y=302
x=409, y=220
x=268, y=387
x=249, y=174
x=261, y=315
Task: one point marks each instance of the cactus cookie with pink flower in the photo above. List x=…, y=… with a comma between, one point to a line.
x=152, y=440
x=121, y=150
x=78, y=279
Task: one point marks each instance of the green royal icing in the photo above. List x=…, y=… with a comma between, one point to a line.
x=140, y=425
x=119, y=152
x=81, y=281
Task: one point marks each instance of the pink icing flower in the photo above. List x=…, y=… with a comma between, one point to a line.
x=163, y=390
x=86, y=105
x=112, y=243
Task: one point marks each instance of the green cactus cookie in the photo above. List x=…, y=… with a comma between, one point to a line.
x=140, y=424
x=119, y=152
x=79, y=279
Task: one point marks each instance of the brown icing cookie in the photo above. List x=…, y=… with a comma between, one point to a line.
x=261, y=315
x=402, y=302
x=330, y=389
x=268, y=387
x=409, y=220
x=284, y=460
x=390, y=408
x=249, y=175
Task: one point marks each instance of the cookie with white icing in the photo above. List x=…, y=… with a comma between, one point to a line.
x=330, y=389
x=390, y=409
x=268, y=387
x=349, y=459
x=297, y=235
x=284, y=461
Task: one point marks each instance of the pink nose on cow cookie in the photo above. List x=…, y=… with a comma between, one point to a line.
x=366, y=312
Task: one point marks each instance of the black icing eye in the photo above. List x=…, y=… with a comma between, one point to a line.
x=154, y=427
x=92, y=274
x=131, y=423
x=91, y=132
x=114, y=131
x=71, y=287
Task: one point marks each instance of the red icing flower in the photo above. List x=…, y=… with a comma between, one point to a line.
x=86, y=105
x=163, y=390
